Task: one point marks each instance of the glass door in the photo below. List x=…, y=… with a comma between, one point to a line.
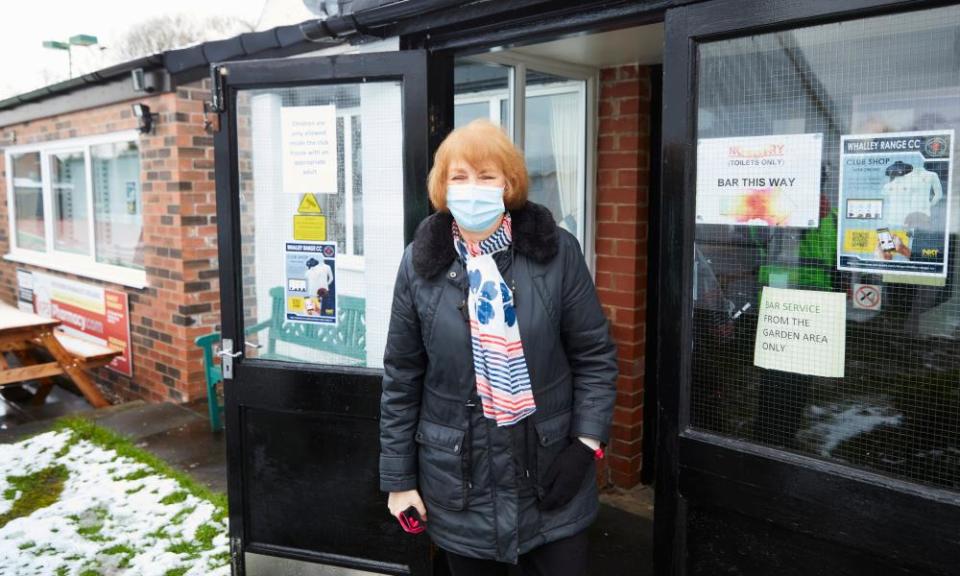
x=816, y=425
x=319, y=166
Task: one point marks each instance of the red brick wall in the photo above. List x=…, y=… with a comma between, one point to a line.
x=179, y=236
x=623, y=140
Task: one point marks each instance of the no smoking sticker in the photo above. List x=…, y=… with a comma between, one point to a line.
x=866, y=296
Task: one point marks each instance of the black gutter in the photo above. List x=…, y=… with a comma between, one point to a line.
x=370, y=14
x=97, y=77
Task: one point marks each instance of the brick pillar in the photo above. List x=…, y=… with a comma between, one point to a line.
x=621, y=246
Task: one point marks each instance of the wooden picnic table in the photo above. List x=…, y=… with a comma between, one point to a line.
x=24, y=334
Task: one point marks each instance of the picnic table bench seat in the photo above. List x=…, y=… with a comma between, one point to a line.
x=31, y=337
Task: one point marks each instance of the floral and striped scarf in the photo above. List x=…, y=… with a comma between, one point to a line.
x=503, y=382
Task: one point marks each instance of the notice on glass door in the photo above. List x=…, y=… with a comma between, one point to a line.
x=309, y=148
x=895, y=202
x=311, y=284
x=801, y=331
x=760, y=180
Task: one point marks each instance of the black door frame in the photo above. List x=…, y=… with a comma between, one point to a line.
x=312, y=387
x=906, y=520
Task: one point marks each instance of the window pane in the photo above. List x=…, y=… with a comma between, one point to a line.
x=28, y=201
x=554, y=146
x=477, y=87
x=299, y=152
x=852, y=357
x=468, y=112
x=118, y=214
x=68, y=182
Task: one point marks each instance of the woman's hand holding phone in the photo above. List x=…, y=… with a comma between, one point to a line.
x=400, y=502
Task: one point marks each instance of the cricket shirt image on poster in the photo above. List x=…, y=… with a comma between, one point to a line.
x=310, y=287
x=895, y=202
x=760, y=180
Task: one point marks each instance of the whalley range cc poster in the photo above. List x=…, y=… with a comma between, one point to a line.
x=895, y=202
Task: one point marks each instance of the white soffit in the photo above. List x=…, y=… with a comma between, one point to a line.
x=642, y=44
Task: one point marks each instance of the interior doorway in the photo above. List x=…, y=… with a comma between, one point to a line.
x=585, y=109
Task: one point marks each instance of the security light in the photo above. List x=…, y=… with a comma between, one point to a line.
x=136, y=77
x=145, y=118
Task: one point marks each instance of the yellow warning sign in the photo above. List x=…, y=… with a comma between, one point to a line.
x=309, y=205
x=309, y=227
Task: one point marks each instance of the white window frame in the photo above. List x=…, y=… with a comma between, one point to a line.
x=518, y=64
x=80, y=264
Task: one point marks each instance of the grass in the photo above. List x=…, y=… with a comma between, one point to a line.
x=42, y=488
x=37, y=490
x=83, y=429
x=90, y=528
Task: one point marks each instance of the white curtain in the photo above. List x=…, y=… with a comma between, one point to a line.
x=565, y=120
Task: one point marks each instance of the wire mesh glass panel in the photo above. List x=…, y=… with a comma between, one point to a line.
x=826, y=281
x=317, y=280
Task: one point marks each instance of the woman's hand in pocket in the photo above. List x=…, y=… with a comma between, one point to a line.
x=397, y=502
x=565, y=476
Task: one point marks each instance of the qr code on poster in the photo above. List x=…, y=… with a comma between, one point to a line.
x=860, y=241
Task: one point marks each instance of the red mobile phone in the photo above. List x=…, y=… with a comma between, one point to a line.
x=410, y=521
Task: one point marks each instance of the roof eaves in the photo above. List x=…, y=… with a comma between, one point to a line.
x=95, y=77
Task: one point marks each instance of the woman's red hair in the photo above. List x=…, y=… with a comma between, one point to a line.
x=477, y=143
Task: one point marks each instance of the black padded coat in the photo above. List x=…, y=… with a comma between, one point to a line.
x=478, y=481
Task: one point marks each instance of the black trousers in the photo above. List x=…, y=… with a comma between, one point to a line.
x=566, y=557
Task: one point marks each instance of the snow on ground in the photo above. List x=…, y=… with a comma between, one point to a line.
x=111, y=518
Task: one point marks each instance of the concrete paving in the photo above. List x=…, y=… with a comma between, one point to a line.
x=621, y=539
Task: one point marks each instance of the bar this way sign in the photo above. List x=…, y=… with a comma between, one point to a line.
x=802, y=331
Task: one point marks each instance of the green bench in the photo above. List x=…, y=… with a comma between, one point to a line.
x=347, y=340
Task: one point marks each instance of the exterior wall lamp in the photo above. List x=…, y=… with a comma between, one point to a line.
x=144, y=117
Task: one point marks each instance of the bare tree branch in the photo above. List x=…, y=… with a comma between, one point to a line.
x=171, y=31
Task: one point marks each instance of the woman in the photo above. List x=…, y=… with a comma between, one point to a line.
x=499, y=371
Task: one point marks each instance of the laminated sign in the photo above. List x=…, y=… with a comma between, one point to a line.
x=309, y=149
x=895, y=203
x=759, y=180
x=311, y=282
x=802, y=331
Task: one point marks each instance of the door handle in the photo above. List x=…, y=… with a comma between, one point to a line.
x=227, y=355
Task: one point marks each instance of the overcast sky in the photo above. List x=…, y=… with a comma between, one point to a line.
x=26, y=65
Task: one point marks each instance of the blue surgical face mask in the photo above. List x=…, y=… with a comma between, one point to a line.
x=475, y=207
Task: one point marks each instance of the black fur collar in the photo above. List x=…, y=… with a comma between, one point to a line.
x=534, y=236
